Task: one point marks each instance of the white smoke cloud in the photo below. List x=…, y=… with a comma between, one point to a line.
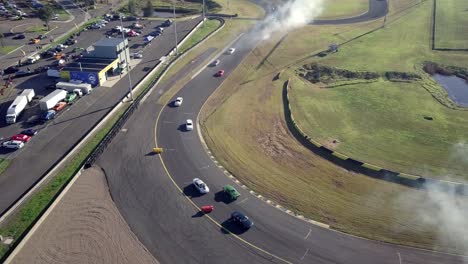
x=443, y=210
x=291, y=15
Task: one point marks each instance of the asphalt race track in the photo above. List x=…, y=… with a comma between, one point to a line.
x=155, y=195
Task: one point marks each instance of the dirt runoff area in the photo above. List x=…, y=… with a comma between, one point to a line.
x=85, y=227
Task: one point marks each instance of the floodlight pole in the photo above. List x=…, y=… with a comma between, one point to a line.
x=126, y=62
x=175, y=30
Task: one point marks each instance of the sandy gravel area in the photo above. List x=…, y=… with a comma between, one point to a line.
x=85, y=227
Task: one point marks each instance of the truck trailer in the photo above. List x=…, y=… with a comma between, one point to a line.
x=29, y=93
x=15, y=109
x=52, y=99
x=69, y=87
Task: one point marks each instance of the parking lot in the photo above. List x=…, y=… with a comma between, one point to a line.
x=57, y=136
x=42, y=84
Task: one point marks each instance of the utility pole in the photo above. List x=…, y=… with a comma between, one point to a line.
x=126, y=61
x=175, y=30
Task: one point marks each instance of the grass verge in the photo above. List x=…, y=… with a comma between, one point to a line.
x=4, y=163
x=209, y=26
x=7, y=49
x=36, y=29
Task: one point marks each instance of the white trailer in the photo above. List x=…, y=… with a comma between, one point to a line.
x=29, y=93
x=52, y=99
x=69, y=87
x=16, y=108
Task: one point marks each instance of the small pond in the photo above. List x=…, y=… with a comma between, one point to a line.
x=163, y=14
x=457, y=88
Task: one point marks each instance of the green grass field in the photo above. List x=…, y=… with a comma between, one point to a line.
x=383, y=123
x=244, y=124
x=451, y=24
x=344, y=8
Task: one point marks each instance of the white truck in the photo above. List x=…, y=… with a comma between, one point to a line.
x=70, y=87
x=29, y=93
x=52, y=99
x=16, y=108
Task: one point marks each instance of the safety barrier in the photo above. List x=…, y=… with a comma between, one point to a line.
x=364, y=168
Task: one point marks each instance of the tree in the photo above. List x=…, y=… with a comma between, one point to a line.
x=45, y=15
x=148, y=9
x=132, y=7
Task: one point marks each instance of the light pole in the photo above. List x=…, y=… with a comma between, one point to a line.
x=126, y=61
x=203, y=11
x=175, y=30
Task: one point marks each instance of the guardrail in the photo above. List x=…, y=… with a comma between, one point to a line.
x=364, y=168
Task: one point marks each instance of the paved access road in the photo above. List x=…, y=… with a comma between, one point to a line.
x=52, y=143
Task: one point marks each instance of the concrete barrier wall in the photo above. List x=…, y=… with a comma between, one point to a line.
x=361, y=167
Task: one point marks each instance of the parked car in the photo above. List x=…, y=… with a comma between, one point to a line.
x=231, y=192
x=29, y=132
x=33, y=59
x=48, y=115
x=19, y=36
x=70, y=42
x=137, y=55
x=59, y=106
x=34, y=41
x=60, y=47
x=22, y=73
x=21, y=137
x=201, y=186
x=55, y=17
x=242, y=219
x=131, y=18
x=189, y=125
x=70, y=98
x=155, y=33
x=10, y=70
x=132, y=33
x=137, y=25
x=178, y=101
x=167, y=23
x=13, y=144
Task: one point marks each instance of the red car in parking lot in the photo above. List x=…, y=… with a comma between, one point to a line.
x=219, y=73
x=21, y=137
